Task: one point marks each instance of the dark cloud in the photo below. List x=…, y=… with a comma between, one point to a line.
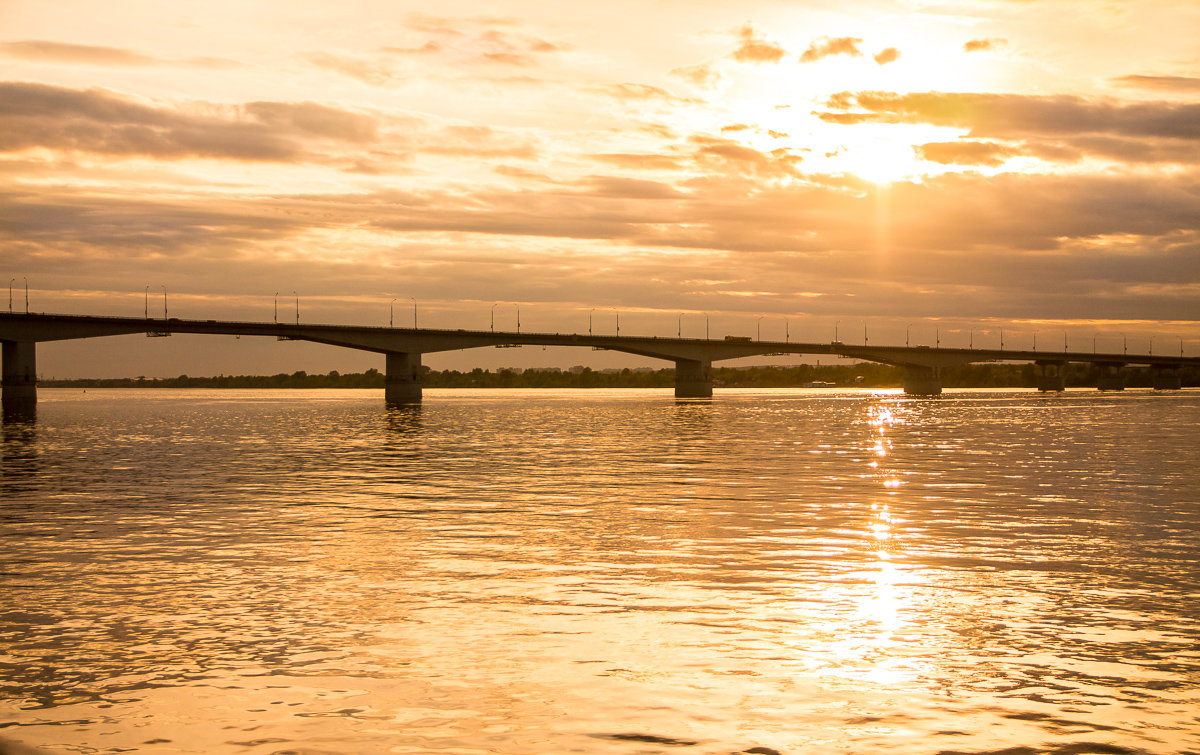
x=752, y=48
x=983, y=45
x=62, y=52
x=827, y=46
x=889, y=55
x=1161, y=83
x=1011, y=115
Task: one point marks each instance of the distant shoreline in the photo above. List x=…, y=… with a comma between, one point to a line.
x=864, y=375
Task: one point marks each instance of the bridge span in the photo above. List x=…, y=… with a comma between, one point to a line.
x=693, y=357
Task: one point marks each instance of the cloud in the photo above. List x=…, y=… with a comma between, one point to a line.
x=64, y=52
x=889, y=55
x=1161, y=83
x=754, y=49
x=374, y=72
x=703, y=76
x=1011, y=115
x=827, y=46
x=966, y=153
x=629, y=91
x=101, y=122
x=984, y=45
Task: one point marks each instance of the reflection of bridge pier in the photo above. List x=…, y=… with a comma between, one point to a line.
x=402, y=381
x=1111, y=377
x=18, y=393
x=1050, y=376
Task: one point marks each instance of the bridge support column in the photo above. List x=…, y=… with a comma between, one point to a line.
x=1050, y=377
x=1111, y=378
x=920, y=380
x=1167, y=378
x=18, y=391
x=402, y=381
x=693, y=378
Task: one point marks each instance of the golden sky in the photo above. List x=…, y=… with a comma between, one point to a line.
x=961, y=166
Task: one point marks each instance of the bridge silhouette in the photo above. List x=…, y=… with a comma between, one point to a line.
x=693, y=357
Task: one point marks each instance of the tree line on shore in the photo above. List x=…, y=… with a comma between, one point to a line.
x=866, y=375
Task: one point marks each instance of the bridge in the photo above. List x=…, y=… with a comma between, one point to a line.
x=693, y=357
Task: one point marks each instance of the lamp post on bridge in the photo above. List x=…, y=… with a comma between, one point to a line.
x=679, y=326
x=1002, y=339
x=414, y=301
x=146, y=303
x=27, y=296
x=391, y=306
x=276, y=307
x=493, y=320
x=297, y=306
x=907, y=330
x=164, y=288
x=590, y=313
x=1035, y=339
x=864, y=332
x=1150, y=351
x=12, y=281
x=835, y=330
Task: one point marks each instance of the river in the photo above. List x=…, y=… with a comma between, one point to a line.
x=604, y=571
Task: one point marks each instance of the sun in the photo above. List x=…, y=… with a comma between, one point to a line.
x=882, y=153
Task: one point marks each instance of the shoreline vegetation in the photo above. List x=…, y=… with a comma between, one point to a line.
x=863, y=375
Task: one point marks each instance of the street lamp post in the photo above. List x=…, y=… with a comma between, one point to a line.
x=493, y=320
x=1035, y=340
x=146, y=303
x=26, y=296
x=907, y=330
x=590, y=313
x=679, y=326
x=518, y=318
x=937, y=338
x=164, y=288
x=276, y=307
x=787, y=331
x=1124, y=344
x=864, y=332
x=758, y=329
x=414, y=301
x=391, y=313
x=835, y=330
x=706, y=336
x=1002, y=339
x=1151, y=350
x=10, y=282
x=297, y=306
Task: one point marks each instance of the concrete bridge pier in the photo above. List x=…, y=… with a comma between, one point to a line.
x=1050, y=377
x=402, y=380
x=1111, y=378
x=18, y=391
x=693, y=378
x=922, y=380
x=1167, y=378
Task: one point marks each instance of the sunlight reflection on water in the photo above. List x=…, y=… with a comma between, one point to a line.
x=604, y=571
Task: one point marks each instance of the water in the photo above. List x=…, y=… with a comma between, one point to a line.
x=602, y=572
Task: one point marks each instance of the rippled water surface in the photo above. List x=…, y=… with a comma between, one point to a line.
x=602, y=572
